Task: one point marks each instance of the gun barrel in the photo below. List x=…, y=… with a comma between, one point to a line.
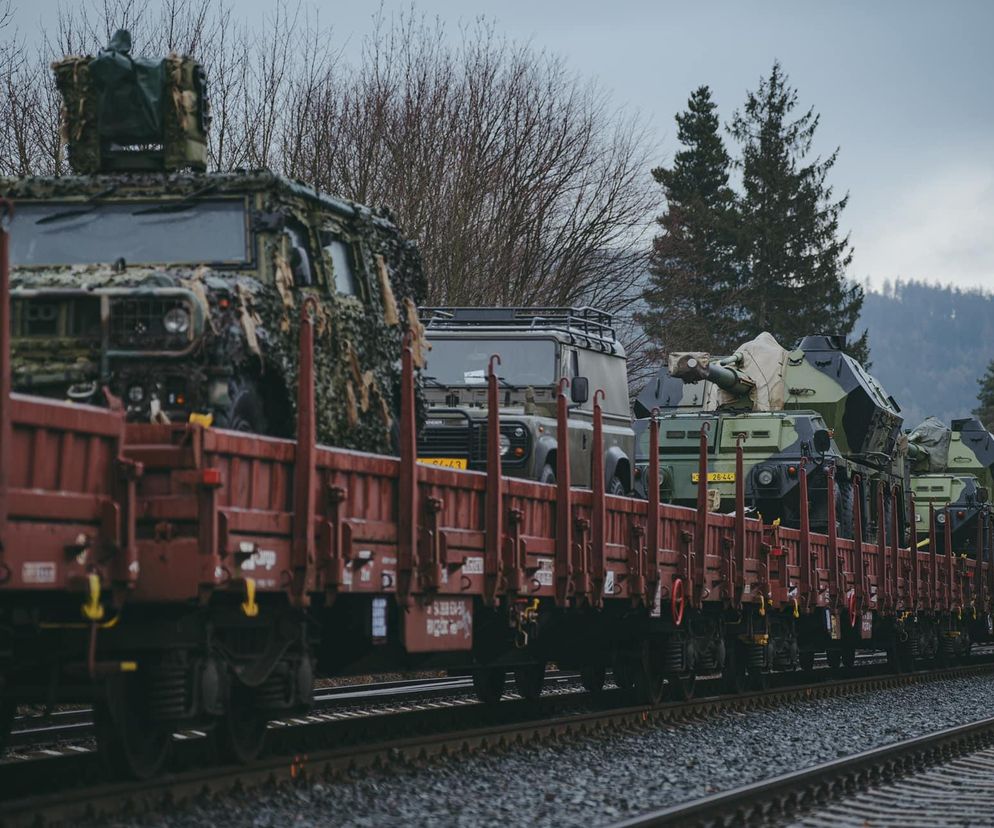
x=730, y=380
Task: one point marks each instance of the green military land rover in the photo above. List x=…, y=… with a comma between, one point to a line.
x=537, y=348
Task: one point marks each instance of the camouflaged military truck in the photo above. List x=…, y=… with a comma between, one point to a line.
x=537, y=347
x=814, y=388
x=146, y=282
x=952, y=470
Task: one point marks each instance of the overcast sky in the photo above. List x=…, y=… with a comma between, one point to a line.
x=903, y=87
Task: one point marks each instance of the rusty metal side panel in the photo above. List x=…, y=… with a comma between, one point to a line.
x=64, y=516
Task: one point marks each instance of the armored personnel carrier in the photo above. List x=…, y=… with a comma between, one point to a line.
x=814, y=388
x=538, y=347
x=145, y=282
x=952, y=470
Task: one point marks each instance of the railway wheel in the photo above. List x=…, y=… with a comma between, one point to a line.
x=132, y=744
x=734, y=673
x=593, y=677
x=488, y=682
x=528, y=680
x=8, y=709
x=834, y=659
x=624, y=670
x=240, y=733
x=681, y=687
x=807, y=660
x=849, y=657
x=650, y=678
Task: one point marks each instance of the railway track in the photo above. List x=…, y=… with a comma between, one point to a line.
x=319, y=750
x=76, y=725
x=902, y=785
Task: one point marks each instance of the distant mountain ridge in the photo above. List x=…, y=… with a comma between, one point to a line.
x=929, y=344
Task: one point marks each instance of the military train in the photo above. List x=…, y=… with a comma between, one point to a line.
x=166, y=562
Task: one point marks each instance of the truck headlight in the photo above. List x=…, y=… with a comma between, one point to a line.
x=176, y=321
x=136, y=393
x=764, y=477
x=940, y=517
x=505, y=444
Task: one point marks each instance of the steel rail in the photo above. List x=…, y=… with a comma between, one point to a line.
x=786, y=796
x=305, y=752
x=75, y=724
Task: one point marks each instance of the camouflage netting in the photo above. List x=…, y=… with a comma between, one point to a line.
x=253, y=327
x=116, y=100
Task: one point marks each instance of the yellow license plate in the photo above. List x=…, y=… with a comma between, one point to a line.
x=447, y=462
x=715, y=477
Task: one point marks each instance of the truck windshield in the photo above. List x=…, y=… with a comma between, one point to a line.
x=77, y=233
x=464, y=361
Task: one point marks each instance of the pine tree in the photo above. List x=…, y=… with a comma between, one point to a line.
x=985, y=411
x=693, y=282
x=790, y=244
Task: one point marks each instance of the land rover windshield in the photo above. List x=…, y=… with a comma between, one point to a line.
x=53, y=233
x=464, y=361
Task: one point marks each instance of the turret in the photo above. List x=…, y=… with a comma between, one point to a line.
x=124, y=113
x=693, y=368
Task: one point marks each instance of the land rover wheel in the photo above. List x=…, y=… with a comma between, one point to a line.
x=548, y=475
x=616, y=487
x=246, y=410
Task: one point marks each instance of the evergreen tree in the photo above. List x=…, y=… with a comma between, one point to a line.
x=985, y=411
x=790, y=244
x=693, y=284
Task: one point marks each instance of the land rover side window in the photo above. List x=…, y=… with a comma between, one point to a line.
x=298, y=253
x=342, y=257
x=211, y=231
x=523, y=362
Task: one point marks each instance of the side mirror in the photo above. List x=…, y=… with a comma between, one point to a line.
x=982, y=494
x=579, y=390
x=823, y=441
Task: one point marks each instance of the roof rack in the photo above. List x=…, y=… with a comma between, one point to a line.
x=596, y=325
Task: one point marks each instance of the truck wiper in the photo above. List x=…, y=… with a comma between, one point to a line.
x=89, y=205
x=432, y=381
x=179, y=205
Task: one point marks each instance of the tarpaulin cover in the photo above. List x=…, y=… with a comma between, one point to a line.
x=130, y=93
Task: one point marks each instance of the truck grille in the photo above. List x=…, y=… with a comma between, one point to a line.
x=137, y=324
x=445, y=441
x=58, y=318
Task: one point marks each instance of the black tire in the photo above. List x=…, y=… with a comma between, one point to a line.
x=548, y=475
x=616, y=487
x=807, y=660
x=246, y=410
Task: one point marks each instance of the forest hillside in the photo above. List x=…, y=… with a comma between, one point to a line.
x=929, y=345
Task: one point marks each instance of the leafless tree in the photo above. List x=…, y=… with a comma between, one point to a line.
x=519, y=180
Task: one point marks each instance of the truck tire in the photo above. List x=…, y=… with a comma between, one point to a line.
x=616, y=487
x=548, y=475
x=246, y=411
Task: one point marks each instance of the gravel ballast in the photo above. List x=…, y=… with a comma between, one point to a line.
x=596, y=781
